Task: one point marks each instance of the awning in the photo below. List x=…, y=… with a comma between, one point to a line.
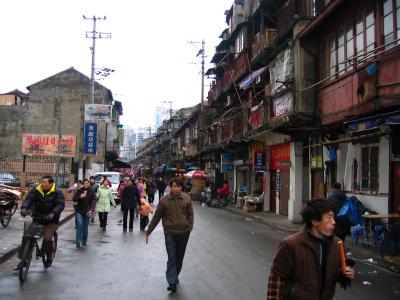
x=218, y=56
x=372, y=122
x=245, y=83
x=224, y=45
x=121, y=164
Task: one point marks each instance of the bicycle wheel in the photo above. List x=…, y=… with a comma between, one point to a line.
x=26, y=258
x=55, y=241
x=14, y=209
x=6, y=217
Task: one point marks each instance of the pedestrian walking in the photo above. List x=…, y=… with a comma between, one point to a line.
x=308, y=263
x=161, y=185
x=337, y=198
x=104, y=200
x=85, y=200
x=94, y=187
x=151, y=189
x=176, y=212
x=130, y=199
x=145, y=209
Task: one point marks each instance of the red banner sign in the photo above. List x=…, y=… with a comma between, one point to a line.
x=46, y=145
x=280, y=157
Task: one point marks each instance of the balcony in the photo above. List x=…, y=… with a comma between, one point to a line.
x=232, y=72
x=257, y=117
x=263, y=41
x=291, y=11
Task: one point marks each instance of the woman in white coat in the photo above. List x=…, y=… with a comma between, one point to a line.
x=104, y=200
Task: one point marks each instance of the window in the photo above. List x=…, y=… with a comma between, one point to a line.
x=187, y=136
x=240, y=42
x=391, y=21
x=355, y=39
x=369, y=167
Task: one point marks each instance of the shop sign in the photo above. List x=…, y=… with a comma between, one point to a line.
x=47, y=145
x=98, y=112
x=259, y=160
x=90, y=138
x=226, y=163
x=280, y=157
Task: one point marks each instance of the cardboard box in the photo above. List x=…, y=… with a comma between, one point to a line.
x=249, y=208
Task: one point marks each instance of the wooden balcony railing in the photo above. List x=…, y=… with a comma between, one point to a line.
x=232, y=72
x=262, y=41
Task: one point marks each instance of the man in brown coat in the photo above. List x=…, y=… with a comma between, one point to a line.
x=176, y=212
x=308, y=263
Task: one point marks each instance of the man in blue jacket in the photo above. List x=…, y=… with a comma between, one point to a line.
x=46, y=202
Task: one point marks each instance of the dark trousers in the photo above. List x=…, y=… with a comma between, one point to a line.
x=160, y=195
x=103, y=219
x=131, y=212
x=151, y=198
x=144, y=220
x=176, y=247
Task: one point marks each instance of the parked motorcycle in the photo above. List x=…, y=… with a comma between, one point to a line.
x=206, y=196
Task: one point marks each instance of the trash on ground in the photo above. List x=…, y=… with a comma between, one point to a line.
x=349, y=253
x=249, y=219
x=372, y=272
x=367, y=283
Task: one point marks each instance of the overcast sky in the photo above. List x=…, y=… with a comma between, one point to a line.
x=149, y=48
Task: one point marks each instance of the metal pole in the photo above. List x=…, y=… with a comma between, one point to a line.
x=202, y=74
x=93, y=60
x=105, y=147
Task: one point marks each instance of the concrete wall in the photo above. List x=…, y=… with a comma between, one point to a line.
x=59, y=98
x=12, y=124
x=345, y=155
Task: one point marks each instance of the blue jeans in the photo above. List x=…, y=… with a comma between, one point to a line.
x=176, y=247
x=82, y=224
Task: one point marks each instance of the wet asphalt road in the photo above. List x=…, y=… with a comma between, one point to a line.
x=228, y=257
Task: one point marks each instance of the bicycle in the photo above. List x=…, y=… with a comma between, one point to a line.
x=7, y=210
x=390, y=245
x=33, y=231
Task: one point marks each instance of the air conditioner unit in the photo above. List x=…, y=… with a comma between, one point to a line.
x=366, y=90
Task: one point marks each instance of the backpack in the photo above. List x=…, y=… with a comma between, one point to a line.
x=350, y=211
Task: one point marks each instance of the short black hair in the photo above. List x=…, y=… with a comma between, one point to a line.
x=49, y=177
x=337, y=186
x=84, y=180
x=177, y=180
x=314, y=211
x=91, y=177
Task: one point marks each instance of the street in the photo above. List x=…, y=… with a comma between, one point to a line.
x=228, y=257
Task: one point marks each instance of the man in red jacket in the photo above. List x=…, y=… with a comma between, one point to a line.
x=308, y=263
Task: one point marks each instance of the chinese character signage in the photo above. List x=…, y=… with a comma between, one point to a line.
x=98, y=112
x=90, y=139
x=259, y=160
x=280, y=157
x=226, y=163
x=46, y=144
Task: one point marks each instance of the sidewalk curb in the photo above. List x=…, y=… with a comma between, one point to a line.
x=260, y=219
x=6, y=256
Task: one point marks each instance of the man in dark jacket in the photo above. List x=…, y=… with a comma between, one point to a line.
x=337, y=199
x=308, y=263
x=130, y=199
x=161, y=185
x=176, y=212
x=47, y=203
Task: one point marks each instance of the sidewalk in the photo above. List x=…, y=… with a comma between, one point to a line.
x=11, y=235
x=361, y=252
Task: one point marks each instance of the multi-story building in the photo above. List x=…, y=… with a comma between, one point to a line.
x=356, y=62
x=262, y=124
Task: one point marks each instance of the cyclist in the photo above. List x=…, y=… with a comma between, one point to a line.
x=46, y=202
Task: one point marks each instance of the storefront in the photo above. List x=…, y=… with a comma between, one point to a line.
x=280, y=178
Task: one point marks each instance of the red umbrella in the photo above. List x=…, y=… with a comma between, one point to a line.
x=199, y=174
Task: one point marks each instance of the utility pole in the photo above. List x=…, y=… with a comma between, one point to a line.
x=202, y=54
x=93, y=35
